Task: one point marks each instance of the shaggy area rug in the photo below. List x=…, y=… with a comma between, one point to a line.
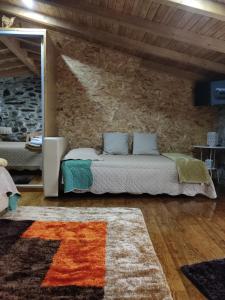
x=208, y=277
x=78, y=253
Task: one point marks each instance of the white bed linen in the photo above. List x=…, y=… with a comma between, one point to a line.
x=6, y=185
x=4, y=203
x=19, y=157
x=138, y=174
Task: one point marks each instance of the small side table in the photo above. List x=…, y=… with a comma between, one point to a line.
x=212, y=156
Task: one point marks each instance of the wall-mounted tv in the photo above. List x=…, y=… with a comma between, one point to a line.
x=210, y=93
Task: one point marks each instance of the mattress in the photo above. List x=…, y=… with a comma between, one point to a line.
x=20, y=158
x=138, y=174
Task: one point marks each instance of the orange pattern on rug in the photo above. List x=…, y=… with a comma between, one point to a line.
x=80, y=259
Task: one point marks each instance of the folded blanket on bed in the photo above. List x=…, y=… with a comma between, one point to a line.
x=77, y=175
x=3, y=162
x=190, y=169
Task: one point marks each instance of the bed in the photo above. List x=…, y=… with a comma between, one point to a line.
x=139, y=174
x=19, y=157
x=135, y=174
x=7, y=187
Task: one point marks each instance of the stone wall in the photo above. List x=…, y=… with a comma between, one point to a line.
x=20, y=106
x=100, y=89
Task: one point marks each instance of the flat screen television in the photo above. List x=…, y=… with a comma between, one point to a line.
x=210, y=93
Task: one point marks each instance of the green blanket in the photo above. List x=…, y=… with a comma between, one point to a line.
x=77, y=175
x=13, y=200
x=190, y=169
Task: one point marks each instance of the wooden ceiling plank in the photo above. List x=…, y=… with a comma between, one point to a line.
x=192, y=22
x=177, y=16
x=200, y=24
x=220, y=33
x=31, y=51
x=29, y=41
x=13, y=65
x=138, y=23
x=141, y=8
x=215, y=28
x=6, y=55
x=174, y=71
x=14, y=72
x=128, y=6
x=120, y=5
x=168, y=15
x=114, y=40
x=31, y=48
x=203, y=7
x=111, y=4
x=7, y=60
x=4, y=51
x=34, y=55
x=160, y=14
x=209, y=25
x=152, y=11
x=184, y=21
x=15, y=48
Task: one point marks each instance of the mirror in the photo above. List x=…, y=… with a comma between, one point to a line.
x=21, y=107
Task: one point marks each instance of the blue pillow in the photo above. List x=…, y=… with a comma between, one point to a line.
x=145, y=143
x=115, y=143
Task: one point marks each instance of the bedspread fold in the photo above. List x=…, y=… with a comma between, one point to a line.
x=190, y=169
x=77, y=175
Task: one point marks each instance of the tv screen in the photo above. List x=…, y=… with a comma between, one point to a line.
x=217, y=92
x=209, y=93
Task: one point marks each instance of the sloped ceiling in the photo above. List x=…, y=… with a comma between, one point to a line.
x=185, y=35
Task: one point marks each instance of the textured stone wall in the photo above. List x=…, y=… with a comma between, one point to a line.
x=100, y=89
x=20, y=106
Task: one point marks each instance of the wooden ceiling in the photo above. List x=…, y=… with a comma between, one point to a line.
x=19, y=56
x=185, y=35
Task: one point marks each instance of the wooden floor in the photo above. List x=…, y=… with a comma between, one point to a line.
x=183, y=230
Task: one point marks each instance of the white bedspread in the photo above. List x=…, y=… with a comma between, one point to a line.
x=138, y=174
x=19, y=157
x=6, y=183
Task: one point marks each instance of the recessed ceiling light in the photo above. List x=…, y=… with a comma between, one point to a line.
x=28, y=3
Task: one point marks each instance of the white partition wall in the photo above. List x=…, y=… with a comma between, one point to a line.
x=54, y=150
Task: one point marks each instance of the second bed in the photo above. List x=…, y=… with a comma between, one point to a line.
x=139, y=174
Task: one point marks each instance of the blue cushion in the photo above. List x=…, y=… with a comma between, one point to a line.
x=115, y=143
x=145, y=143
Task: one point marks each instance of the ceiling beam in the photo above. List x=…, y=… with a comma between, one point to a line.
x=11, y=65
x=29, y=41
x=15, y=72
x=31, y=48
x=174, y=71
x=141, y=24
x=22, y=55
x=6, y=55
x=203, y=7
x=4, y=51
x=34, y=55
x=7, y=59
x=112, y=39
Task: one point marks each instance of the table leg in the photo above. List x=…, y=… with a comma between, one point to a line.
x=210, y=157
